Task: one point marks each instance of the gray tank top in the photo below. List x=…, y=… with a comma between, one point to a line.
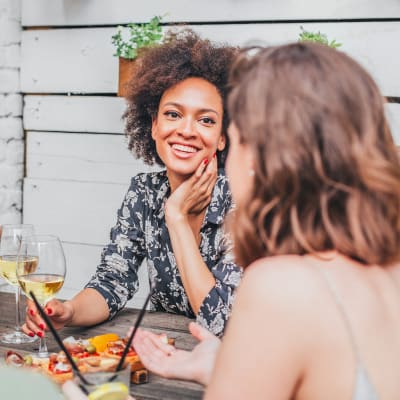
x=363, y=390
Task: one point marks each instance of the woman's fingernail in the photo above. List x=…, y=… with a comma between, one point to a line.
x=40, y=334
x=49, y=311
x=31, y=334
x=31, y=312
x=41, y=326
x=205, y=161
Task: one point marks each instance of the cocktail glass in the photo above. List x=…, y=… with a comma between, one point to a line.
x=48, y=277
x=116, y=385
x=10, y=242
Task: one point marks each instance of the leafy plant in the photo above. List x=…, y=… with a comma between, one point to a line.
x=318, y=37
x=131, y=38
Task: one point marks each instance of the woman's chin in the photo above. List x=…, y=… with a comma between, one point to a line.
x=179, y=174
x=182, y=167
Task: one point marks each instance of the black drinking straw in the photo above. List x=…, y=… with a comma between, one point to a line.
x=128, y=344
x=60, y=342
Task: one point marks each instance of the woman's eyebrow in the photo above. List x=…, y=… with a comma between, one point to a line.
x=209, y=110
x=178, y=105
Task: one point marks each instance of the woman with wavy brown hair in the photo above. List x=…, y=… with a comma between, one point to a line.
x=316, y=179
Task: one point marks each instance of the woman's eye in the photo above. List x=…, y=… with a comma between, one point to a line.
x=208, y=121
x=171, y=114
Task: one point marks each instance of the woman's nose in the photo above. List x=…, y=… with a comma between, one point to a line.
x=187, y=127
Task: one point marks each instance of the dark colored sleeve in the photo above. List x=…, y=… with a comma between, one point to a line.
x=217, y=305
x=116, y=277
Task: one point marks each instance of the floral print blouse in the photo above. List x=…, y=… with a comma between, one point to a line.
x=141, y=233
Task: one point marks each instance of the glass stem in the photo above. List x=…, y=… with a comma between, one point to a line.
x=43, y=348
x=43, y=352
x=17, y=315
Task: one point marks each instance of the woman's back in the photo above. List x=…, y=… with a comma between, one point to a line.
x=289, y=317
x=359, y=329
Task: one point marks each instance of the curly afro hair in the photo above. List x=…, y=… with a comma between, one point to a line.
x=159, y=68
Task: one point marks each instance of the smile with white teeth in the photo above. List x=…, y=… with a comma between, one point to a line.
x=181, y=147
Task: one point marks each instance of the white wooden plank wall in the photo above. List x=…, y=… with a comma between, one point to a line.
x=47, y=67
x=393, y=115
x=80, y=157
x=98, y=114
x=81, y=259
x=100, y=12
x=78, y=167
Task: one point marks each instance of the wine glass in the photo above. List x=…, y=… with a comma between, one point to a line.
x=48, y=277
x=10, y=242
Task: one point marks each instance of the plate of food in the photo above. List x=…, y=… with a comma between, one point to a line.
x=98, y=353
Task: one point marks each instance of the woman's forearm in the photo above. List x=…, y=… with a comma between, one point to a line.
x=196, y=277
x=88, y=308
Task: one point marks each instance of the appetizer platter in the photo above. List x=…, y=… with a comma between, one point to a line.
x=99, y=353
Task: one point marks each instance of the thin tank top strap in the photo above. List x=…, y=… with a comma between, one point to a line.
x=338, y=301
x=363, y=389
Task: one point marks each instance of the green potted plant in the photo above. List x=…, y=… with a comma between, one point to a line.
x=128, y=40
x=318, y=37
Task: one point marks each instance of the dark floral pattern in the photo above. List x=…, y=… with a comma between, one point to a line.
x=141, y=234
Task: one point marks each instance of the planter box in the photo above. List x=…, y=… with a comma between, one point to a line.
x=126, y=73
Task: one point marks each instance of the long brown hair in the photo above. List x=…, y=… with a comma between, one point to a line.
x=327, y=173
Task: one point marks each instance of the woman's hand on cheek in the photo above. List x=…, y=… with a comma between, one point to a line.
x=193, y=195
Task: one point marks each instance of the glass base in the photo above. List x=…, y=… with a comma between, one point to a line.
x=42, y=354
x=17, y=337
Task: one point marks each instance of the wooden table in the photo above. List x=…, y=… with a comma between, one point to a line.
x=157, y=388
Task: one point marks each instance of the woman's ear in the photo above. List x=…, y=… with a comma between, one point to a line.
x=221, y=142
x=248, y=160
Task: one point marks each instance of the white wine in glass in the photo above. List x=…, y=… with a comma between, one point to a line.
x=47, y=278
x=10, y=242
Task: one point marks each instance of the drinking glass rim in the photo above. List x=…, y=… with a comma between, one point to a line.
x=16, y=225
x=107, y=377
x=6, y=227
x=40, y=238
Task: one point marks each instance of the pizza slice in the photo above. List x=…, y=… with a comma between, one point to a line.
x=115, y=350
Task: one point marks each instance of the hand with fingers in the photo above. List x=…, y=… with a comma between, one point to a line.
x=59, y=312
x=193, y=195
x=169, y=362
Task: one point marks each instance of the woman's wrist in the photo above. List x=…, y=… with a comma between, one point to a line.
x=69, y=311
x=173, y=215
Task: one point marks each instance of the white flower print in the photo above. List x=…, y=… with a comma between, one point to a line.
x=141, y=234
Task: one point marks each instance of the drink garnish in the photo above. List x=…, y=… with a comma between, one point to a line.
x=110, y=391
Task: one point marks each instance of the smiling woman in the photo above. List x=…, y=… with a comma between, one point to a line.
x=188, y=127
x=176, y=117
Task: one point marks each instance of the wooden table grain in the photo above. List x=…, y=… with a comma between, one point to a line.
x=157, y=388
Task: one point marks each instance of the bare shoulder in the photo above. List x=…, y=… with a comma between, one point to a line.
x=291, y=270
x=279, y=264
x=281, y=279
x=279, y=295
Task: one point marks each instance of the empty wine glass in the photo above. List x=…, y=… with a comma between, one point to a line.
x=48, y=277
x=10, y=242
